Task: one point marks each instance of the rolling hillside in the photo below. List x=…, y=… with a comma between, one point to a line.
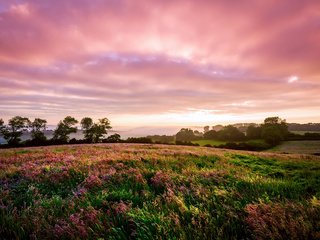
x=132, y=191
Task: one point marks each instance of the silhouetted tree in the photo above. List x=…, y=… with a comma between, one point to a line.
x=274, y=130
x=212, y=134
x=230, y=133
x=64, y=129
x=254, y=132
x=161, y=139
x=206, y=129
x=93, y=132
x=114, y=138
x=13, y=131
x=1, y=126
x=38, y=126
x=185, y=135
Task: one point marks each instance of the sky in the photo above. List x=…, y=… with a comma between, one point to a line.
x=160, y=62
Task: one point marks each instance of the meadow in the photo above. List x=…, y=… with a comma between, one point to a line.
x=136, y=191
x=305, y=147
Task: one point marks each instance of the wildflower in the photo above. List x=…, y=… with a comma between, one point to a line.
x=119, y=166
x=136, y=175
x=121, y=207
x=161, y=180
x=92, y=181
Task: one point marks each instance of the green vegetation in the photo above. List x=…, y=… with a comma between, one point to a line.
x=65, y=128
x=134, y=191
x=38, y=126
x=207, y=142
x=250, y=137
x=13, y=131
x=93, y=132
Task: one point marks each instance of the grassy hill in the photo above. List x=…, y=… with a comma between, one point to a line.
x=132, y=191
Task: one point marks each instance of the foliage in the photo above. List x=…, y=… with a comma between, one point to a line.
x=114, y=138
x=135, y=191
x=1, y=125
x=274, y=130
x=210, y=135
x=13, y=131
x=185, y=135
x=38, y=126
x=161, y=139
x=93, y=132
x=253, y=132
x=230, y=133
x=65, y=128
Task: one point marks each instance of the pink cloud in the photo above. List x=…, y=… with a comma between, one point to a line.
x=154, y=57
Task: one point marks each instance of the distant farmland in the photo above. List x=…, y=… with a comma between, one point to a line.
x=303, y=147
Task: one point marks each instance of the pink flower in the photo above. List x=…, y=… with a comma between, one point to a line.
x=161, y=180
x=92, y=181
x=121, y=207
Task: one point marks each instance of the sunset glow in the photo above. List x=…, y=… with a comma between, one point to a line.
x=145, y=63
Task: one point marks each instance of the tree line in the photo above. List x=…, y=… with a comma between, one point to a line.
x=273, y=131
x=94, y=132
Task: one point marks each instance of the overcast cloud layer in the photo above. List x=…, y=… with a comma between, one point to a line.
x=143, y=62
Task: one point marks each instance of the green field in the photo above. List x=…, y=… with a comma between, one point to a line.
x=136, y=191
x=211, y=142
x=255, y=142
x=303, y=147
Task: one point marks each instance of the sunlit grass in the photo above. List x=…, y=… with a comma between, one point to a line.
x=121, y=191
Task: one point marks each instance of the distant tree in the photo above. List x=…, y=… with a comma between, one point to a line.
x=274, y=130
x=206, y=129
x=185, y=135
x=272, y=135
x=65, y=128
x=197, y=133
x=93, y=132
x=212, y=134
x=86, y=123
x=114, y=138
x=217, y=127
x=161, y=138
x=38, y=126
x=273, y=121
x=230, y=133
x=13, y=131
x=254, y=132
x=1, y=125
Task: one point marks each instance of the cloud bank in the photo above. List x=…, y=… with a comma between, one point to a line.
x=160, y=62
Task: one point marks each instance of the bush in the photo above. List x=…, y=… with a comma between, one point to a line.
x=249, y=146
x=138, y=140
x=186, y=143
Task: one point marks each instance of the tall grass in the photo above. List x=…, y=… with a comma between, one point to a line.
x=123, y=191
